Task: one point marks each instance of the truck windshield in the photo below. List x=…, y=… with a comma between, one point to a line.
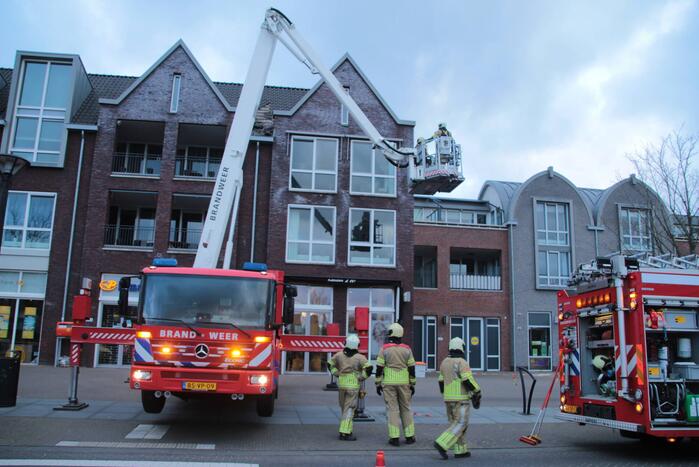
x=206, y=300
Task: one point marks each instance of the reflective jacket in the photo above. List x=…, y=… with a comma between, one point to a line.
x=459, y=383
x=350, y=371
x=396, y=359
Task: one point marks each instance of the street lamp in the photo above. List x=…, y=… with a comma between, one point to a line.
x=9, y=166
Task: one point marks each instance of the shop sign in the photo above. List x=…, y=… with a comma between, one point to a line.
x=109, y=288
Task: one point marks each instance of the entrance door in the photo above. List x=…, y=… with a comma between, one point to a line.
x=425, y=340
x=113, y=355
x=20, y=327
x=474, y=343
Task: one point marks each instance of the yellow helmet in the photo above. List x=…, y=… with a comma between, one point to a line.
x=457, y=343
x=395, y=330
x=352, y=342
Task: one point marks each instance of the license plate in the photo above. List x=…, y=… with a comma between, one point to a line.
x=196, y=386
x=570, y=409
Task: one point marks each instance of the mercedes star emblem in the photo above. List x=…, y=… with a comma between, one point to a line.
x=201, y=351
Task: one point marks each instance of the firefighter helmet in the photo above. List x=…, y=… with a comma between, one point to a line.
x=457, y=343
x=600, y=361
x=442, y=126
x=395, y=330
x=352, y=342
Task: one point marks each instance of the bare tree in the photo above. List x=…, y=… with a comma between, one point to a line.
x=671, y=169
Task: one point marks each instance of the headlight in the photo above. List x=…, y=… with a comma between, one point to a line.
x=140, y=375
x=638, y=394
x=261, y=380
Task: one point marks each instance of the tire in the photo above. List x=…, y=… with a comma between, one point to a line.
x=631, y=434
x=152, y=404
x=265, y=405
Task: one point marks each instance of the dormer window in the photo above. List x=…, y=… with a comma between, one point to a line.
x=175, y=100
x=39, y=123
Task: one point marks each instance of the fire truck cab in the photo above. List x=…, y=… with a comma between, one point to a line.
x=629, y=339
x=209, y=332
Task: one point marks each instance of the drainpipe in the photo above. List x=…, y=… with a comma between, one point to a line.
x=254, y=203
x=72, y=225
x=512, y=295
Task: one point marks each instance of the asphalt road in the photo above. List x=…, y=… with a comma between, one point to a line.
x=113, y=431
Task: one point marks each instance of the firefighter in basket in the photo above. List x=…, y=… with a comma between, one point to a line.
x=460, y=391
x=395, y=379
x=351, y=368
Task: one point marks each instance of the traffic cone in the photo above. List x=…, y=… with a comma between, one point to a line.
x=379, y=459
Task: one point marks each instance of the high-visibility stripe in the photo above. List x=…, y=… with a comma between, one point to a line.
x=264, y=354
x=142, y=350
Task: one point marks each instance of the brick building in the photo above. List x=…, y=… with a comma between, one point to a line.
x=461, y=282
x=317, y=202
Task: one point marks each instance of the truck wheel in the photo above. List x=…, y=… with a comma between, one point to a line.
x=265, y=405
x=152, y=404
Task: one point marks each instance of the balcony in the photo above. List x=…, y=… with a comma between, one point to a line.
x=129, y=236
x=469, y=282
x=139, y=148
x=199, y=151
x=136, y=164
x=185, y=239
x=187, y=221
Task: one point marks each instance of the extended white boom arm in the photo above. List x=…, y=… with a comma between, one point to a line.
x=229, y=181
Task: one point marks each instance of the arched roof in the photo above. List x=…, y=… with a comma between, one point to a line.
x=606, y=194
x=504, y=190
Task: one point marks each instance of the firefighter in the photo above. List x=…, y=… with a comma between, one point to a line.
x=442, y=131
x=395, y=379
x=351, y=368
x=460, y=390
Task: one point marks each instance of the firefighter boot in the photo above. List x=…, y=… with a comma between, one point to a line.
x=441, y=450
x=394, y=441
x=347, y=437
x=465, y=454
x=409, y=440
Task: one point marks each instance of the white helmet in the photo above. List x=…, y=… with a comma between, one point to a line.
x=442, y=126
x=395, y=330
x=457, y=343
x=352, y=342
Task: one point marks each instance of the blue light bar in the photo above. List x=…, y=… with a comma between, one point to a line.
x=165, y=262
x=259, y=267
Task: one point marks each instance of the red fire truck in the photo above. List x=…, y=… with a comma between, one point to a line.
x=629, y=340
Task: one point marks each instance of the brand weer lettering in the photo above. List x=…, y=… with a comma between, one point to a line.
x=186, y=334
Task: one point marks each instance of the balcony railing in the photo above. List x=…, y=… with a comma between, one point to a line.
x=129, y=236
x=469, y=282
x=136, y=164
x=185, y=239
x=193, y=166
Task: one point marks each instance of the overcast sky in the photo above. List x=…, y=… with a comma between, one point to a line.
x=522, y=85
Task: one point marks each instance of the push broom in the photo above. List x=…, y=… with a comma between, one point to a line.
x=533, y=438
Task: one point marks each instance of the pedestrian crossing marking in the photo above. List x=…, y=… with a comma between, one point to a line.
x=144, y=431
x=133, y=444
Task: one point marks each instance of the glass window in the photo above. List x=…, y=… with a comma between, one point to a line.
x=310, y=235
x=635, y=230
x=372, y=237
x=313, y=164
x=539, y=324
x=552, y=226
x=553, y=268
x=372, y=174
x=39, y=124
x=493, y=344
x=175, y=99
x=381, y=305
x=28, y=220
x=344, y=111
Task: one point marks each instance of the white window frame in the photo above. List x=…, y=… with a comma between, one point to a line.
x=529, y=346
x=372, y=175
x=562, y=234
x=310, y=242
x=561, y=280
x=642, y=216
x=313, y=171
x=370, y=243
x=25, y=228
x=186, y=159
x=40, y=113
x=344, y=111
x=487, y=343
x=176, y=89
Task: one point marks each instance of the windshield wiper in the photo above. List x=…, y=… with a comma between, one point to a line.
x=175, y=320
x=229, y=324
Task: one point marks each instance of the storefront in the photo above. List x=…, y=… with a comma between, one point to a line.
x=108, y=316
x=21, y=311
x=318, y=305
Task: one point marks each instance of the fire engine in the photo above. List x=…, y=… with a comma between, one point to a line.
x=629, y=340
x=207, y=331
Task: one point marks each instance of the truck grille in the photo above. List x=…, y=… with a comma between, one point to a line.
x=200, y=375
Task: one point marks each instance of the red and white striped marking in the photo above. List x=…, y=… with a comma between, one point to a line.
x=261, y=356
x=75, y=352
x=111, y=336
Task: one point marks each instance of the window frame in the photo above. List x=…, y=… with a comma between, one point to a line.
x=548, y=277
x=624, y=218
x=344, y=111
x=310, y=242
x=176, y=89
x=546, y=230
x=550, y=247
x=207, y=162
x=371, y=244
x=313, y=170
x=38, y=113
x=550, y=338
x=25, y=228
x=373, y=176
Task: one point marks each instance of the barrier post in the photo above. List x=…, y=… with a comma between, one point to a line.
x=526, y=401
x=73, y=403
